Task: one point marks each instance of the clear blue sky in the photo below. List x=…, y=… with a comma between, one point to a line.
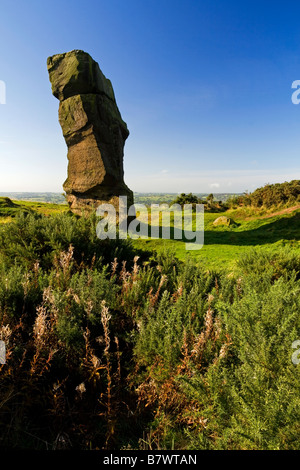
x=204, y=86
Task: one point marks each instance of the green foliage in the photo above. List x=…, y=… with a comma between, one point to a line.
x=186, y=199
x=269, y=263
x=227, y=381
x=32, y=238
x=262, y=407
x=270, y=195
x=9, y=208
x=111, y=348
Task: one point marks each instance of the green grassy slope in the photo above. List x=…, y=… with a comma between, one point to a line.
x=222, y=245
x=9, y=208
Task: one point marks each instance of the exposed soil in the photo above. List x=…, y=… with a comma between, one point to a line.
x=283, y=211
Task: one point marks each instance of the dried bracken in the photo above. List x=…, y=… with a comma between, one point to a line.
x=41, y=326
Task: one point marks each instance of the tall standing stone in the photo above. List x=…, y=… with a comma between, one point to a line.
x=93, y=129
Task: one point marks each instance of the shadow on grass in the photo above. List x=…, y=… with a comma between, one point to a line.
x=287, y=228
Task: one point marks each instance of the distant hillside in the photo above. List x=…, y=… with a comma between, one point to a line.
x=157, y=198
x=53, y=198
x=270, y=195
x=139, y=198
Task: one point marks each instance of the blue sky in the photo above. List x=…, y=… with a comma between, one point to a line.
x=204, y=86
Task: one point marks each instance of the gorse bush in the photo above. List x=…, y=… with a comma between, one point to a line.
x=32, y=238
x=263, y=384
x=270, y=195
x=109, y=348
x=278, y=264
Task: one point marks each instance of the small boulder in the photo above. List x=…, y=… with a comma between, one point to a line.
x=223, y=220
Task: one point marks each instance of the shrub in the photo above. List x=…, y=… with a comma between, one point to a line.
x=270, y=195
x=32, y=238
x=107, y=348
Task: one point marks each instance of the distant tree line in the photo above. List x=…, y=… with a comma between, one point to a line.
x=270, y=195
x=209, y=201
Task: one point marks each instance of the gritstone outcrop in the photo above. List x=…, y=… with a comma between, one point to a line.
x=93, y=129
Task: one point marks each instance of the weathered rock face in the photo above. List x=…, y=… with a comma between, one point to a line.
x=93, y=129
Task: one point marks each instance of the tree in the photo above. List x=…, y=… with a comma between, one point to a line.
x=186, y=199
x=210, y=199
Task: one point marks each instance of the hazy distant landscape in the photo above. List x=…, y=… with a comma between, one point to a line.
x=140, y=198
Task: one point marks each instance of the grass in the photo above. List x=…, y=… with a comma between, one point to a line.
x=45, y=208
x=9, y=208
x=223, y=245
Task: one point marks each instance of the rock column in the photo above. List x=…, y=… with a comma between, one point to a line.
x=93, y=129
